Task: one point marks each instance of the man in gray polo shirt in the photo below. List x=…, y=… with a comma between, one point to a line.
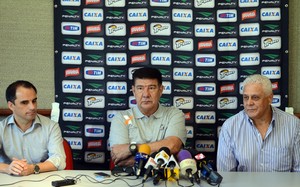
x=148, y=122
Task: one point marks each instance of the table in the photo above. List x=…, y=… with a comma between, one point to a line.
x=230, y=179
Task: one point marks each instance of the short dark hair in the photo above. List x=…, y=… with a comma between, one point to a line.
x=12, y=88
x=147, y=73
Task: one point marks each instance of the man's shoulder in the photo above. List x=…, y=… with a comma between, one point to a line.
x=169, y=108
x=44, y=120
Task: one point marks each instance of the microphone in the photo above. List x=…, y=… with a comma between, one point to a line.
x=172, y=168
x=212, y=177
x=161, y=158
x=187, y=164
x=141, y=157
x=150, y=165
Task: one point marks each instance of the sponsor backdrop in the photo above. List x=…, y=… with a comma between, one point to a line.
x=203, y=48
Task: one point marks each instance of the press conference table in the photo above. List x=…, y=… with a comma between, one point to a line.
x=230, y=179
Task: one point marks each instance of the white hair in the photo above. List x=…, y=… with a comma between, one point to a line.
x=260, y=79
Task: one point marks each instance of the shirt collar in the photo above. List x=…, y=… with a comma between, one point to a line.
x=11, y=120
x=274, y=115
x=138, y=114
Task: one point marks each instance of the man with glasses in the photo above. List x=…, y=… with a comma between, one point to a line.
x=146, y=123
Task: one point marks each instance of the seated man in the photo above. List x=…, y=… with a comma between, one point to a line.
x=29, y=142
x=147, y=123
x=260, y=138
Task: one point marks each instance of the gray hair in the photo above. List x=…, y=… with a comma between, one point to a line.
x=259, y=79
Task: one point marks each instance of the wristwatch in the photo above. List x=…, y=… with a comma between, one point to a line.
x=133, y=148
x=36, y=169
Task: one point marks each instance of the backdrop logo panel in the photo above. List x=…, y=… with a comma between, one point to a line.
x=204, y=50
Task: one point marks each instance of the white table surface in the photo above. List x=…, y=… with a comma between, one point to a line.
x=230, y=179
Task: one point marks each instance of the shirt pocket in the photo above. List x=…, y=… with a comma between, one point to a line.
x=280, y=158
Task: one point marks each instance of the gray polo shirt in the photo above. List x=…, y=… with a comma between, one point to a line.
x=133, y=126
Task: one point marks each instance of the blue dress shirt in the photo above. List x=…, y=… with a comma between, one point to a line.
x=241, y=147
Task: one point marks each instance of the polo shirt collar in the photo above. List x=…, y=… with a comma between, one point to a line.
x=138, y=114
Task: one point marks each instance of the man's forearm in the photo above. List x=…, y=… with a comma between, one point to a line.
x=46, y=166
x=4, y=168
x=172, y=142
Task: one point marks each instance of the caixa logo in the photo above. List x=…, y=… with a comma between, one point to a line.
x=272, y=72
x=270, y=14
x=94, y=130
x=249, y=29
x=205, y=30
x=167, y=87
x=249, y=59
x=71, y=28
x=72, y=114
x=186, y=74
x=205, y=145
x=93, y=43
x=71, y=86
x=116, y=59
x=74, y=58
x=227, y=44
x=205, y=117
x=189, y=131
x=248, y=3
x=116, y=87
x=92, y=14
x=75, y=142
x=94, y=157
x=182, y=15
x=276, y=102
x=110, y=114
x=137, y=14
x=159, y=58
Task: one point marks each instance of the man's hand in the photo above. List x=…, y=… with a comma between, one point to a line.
x=127, y=162
x=17, y=167
x=28, y=170
x=119, y=153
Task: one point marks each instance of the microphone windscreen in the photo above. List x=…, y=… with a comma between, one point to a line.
x=144, y=148
x=153, y=154
x=165, y=149
x=183, y=154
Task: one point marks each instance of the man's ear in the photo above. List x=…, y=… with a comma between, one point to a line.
x=10, y=105
x=271, y=98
